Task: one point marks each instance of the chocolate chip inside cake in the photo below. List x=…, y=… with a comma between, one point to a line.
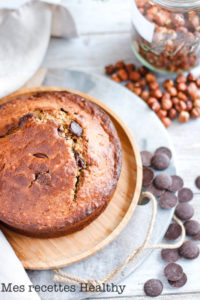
x=60, y=160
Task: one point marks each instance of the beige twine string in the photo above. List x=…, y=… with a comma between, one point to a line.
x=67, y=278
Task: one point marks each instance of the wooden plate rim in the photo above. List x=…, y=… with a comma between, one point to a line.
x=138, y=186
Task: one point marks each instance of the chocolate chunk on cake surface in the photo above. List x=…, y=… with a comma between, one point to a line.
x=60, y=160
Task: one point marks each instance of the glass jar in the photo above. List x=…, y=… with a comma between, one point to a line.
x=166, y=34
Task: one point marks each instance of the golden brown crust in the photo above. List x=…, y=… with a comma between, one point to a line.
x=60, y=160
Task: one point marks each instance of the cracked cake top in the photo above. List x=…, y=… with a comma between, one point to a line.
x=60, y=159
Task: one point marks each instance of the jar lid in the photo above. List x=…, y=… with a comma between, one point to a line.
x=179, y=4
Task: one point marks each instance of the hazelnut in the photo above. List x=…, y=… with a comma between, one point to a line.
x=172, y=91
x=181, y=87
x=183, y=117
x=166, y=96
x=110, y=69
x=115, y=78
x=172, y=113
x=181, y=78
x=141, y=83
x=134, y=76
x=182, y=96
x=153, y=85
x=145, y=95
x=120, y=65
x=195, y=112
x=150, y=77
x=175, y=100
x=197, y=103
x=198, y=82
x=166, y=122
x=151, y=100
x=155, y=106
x=178, y=20
x=192, y=90
x=122, y=74
x=137, y=91
x=130, y=67
x=189, y=105
x=130, y=86
x=180, y=106
x=156, y=93
x=166, y=104
x=143, y=70
x=161, y=113
x=191, y=77
x=168, y=83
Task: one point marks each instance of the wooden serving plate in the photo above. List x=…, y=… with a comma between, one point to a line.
x=40, y=254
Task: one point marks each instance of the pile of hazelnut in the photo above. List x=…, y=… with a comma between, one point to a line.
x=173, y=98
x=175, y=44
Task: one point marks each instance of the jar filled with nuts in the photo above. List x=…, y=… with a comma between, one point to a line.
x=166, y=34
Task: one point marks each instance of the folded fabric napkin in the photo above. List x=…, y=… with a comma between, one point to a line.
x=25, y=31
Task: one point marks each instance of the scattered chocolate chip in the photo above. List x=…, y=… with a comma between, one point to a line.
x=148, y=176
x=179, y=283
x=160, y=161
x=152, y=189
x=189, y=250
x=153, y=287
x=185, y=195
x=170, y=255
x=192, y=227
x=173, y=232
x=177, y=183
x=197, y=182
x=164, y=150
x=75, y=129
x=146, y=157
x=163, y=181
x=168, y=200
x=173, y=272
x=24, y=119
x=184, y=211
x=196, y=237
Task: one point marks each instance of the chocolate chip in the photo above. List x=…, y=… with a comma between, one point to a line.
x=196, y=237
x=197, y=182
x=189, y=250
x=24, y=120
x=173, y=232
x=153, y=287
x=173, y=272
x=192, y=227
x=168, y=200
x=146, y=157
x=163, y=181
x=179, y=283
x=160, y=161
x=164, y=150
x=177, y=183
x=185, y=195
x=170, y=255
x=152, y=189
x=148, y=176
x=184, y=211
x=75, y=129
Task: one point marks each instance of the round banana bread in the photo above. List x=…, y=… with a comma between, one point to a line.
x=60, y=160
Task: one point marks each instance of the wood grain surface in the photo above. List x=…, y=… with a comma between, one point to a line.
x=38, y=254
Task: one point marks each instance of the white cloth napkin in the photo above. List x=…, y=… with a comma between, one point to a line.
x=25, y=30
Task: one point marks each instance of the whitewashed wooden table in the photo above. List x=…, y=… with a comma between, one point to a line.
x=103, y=37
